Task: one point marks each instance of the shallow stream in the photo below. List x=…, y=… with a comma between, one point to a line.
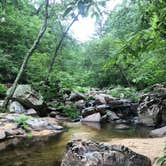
x=50, y=152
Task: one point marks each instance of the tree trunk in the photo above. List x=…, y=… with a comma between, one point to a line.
x=50, y=68
x=123, y=74
x=28, y=55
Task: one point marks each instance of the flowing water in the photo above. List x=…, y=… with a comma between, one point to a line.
x=50, y=152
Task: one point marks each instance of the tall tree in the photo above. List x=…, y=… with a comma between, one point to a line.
x=28, y=55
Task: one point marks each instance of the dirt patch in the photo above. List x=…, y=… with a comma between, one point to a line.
x=151, y=147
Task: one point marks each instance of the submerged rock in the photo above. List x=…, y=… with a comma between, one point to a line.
x=89, y=153
x=122, y=127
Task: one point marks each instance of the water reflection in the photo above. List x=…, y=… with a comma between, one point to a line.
x=92, y=125
x=50, y=152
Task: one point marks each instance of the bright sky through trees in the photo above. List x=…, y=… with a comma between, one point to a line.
x=84, y=29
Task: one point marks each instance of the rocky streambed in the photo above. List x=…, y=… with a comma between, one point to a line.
x=27, y=138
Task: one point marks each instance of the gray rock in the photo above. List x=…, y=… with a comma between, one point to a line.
x=121, y=121
x=29, y=98
x=37, y=123
x=112, y=116
x=53, y=114
x=89, y=153
x=16, y=107
x=100, y=99
x=2, y=134
x=80, y=104
x=43, y=123
x=88, y=111
x=149, y=110
x=11, y=117
x=160, y=132
x=91, y=110
x=122, y=127
x=136, y=120
x=31, y=112
x=164, y=111
x=101, y=108
x=119, y=103
x=96, y=117
x=76, y=97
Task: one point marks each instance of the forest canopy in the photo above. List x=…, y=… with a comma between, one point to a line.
x=128, y=49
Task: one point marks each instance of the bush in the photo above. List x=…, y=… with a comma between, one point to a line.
x=22, y=121
x=122, y=92
x=81, y=89
x=3, y=90
x=70, y=111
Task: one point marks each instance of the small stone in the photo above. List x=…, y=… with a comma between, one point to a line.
x=122, y=127
x=31, y=112
x=53, y=114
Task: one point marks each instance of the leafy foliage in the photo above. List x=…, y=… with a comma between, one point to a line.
x=70, y=111
x=22, y=120
x=3, y=89
x=122, y=92
x=162, y=160
x=129, y=50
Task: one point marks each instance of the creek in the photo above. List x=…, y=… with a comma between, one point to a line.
x=49, y=152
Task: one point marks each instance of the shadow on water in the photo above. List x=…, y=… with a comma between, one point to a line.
x=50, y=151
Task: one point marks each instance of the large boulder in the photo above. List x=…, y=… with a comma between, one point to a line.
x=149, y=110
x=29, y=98
x=89, y=153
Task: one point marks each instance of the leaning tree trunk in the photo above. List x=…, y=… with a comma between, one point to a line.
x=50, y=68
x=28, y=55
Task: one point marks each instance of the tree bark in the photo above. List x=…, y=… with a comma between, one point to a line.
x=50, y=68
x=28, y=55
x=123, y=74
